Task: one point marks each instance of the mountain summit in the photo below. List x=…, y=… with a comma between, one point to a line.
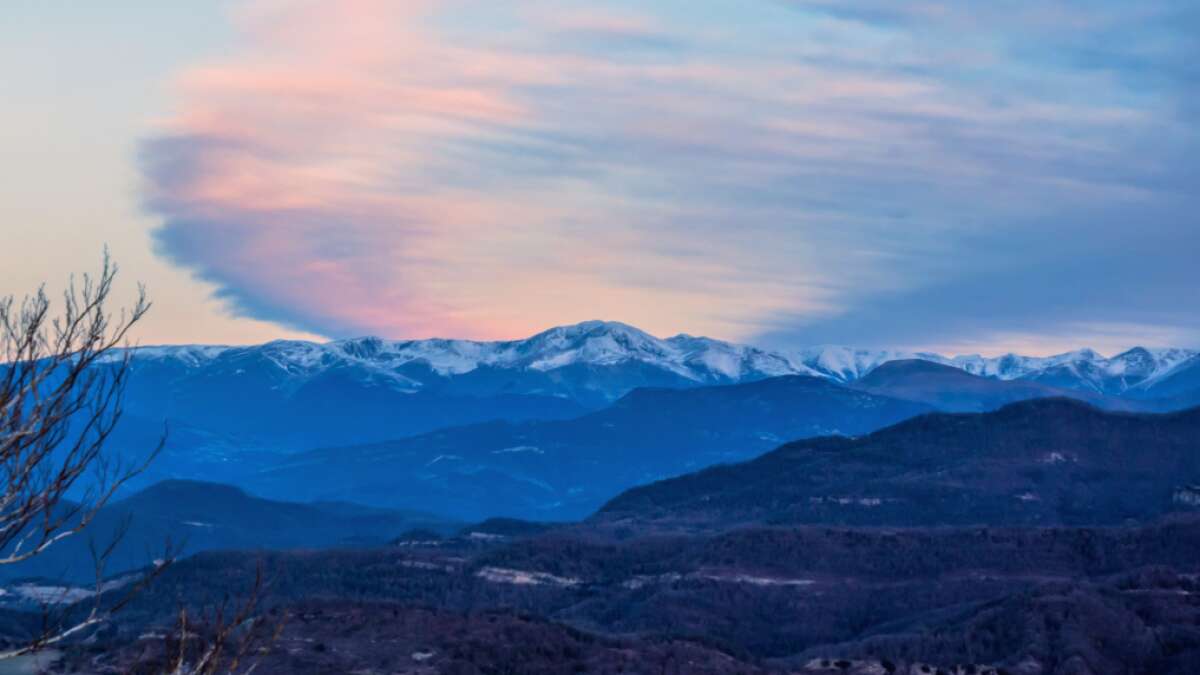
x=593, y=362
x=596, y=362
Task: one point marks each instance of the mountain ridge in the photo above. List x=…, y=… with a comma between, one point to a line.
x=1038, y=462
x=681, y=360
x=188, y=516
x=566, y=468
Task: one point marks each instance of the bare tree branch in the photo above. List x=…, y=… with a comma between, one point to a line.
x=62, y=378
x=226, y=638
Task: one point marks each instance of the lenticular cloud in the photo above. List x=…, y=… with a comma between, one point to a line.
x=486, y=169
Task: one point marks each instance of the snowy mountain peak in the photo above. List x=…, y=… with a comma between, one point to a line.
x=846, y=364
x=413, y=365
x=1147, y=366
x=595, y=343
x=734, y=361
x=699, y=359
x=596, y=326
x=634, y=357
x=1081, y=369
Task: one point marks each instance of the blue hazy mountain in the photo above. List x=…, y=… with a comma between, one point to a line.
x=235, y=413
x=952, y=389
x=195, y=516
x=561, y=469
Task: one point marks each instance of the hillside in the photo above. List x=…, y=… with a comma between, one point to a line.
x=1055, y=601
x=1037, y=462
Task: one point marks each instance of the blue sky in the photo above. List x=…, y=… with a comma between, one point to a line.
x=951, y=176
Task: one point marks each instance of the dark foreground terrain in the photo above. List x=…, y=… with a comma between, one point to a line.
x=380, y=637
x=1025, y=600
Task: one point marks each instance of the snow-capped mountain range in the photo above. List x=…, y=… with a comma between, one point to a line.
x=1135, y=369
x=499, y=416
x=590, y=346
x=607, y=359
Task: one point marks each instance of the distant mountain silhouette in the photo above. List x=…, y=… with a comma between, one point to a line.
x=566, y=469
x=198, y=516
x=955, y=390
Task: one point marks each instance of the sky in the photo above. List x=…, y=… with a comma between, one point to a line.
x=958, y=177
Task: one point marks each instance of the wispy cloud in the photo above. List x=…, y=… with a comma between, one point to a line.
x=774, y=168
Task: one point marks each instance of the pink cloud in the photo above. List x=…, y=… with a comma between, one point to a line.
x=373, y=167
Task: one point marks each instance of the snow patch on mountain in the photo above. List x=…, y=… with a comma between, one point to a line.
x=733, y=361
x=1137, y=368
x=846, y=364
x=1083, y=369
x=592, y=343
x=410, y=365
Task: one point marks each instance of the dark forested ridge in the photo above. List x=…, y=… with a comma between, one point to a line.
x=338, y=636
x=1066, y=600
x=1041, y=462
